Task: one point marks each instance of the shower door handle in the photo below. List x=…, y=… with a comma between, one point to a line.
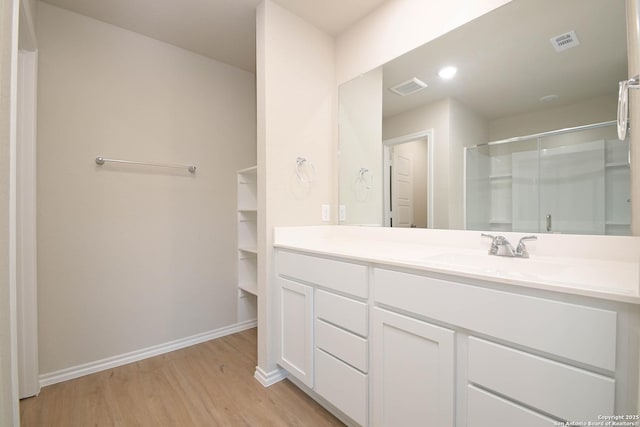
x=548, y=218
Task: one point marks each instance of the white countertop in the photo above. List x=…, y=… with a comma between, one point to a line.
x=604, y=267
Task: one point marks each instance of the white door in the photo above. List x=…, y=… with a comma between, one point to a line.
x=402, y=190
x=412, y=372
x=416, y=173
x=296, y=330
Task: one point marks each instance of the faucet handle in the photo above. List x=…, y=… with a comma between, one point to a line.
x=521, y=249
x=494, y=243
x=496, y=240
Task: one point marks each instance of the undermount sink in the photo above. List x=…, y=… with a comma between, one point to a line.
x=525, y=268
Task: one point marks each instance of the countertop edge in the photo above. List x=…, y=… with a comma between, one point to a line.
x=552, y=287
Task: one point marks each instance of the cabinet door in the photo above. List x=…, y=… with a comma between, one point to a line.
x=412, y=372
x=296, y=330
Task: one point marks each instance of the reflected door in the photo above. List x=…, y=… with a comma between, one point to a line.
x=402, y=190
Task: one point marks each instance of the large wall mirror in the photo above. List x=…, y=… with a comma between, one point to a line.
x=521, y=136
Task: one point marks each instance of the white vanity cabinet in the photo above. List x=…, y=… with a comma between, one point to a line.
x=526, y=357
x=394, y=346
x=413, y=372
x=324, y=329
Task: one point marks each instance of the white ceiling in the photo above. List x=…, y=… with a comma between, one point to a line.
x=220, y=29
x=506, y=62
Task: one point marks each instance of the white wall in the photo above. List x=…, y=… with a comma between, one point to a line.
x=9, y=413
x=297, y=115
x=361, y=147
x=399, y=26
x=132, y=257
x=466, y=129
x=596, y=110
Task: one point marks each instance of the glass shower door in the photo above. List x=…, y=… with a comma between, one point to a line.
x=572, y=188
x=573, y=181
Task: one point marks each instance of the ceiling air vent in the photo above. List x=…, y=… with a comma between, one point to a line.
x=407, y=88
x=565, y=41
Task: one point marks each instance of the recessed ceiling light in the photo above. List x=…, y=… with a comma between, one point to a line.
x=447, y=72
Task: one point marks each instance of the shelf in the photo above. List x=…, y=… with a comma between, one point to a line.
x=622, y=223
x=617, y=165
x=248, y=171
x=251, y=250
x=247, y=234
x=500, y=221
x=249, y=288
x=501, y=176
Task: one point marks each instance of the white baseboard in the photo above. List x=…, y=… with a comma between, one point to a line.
x=134, y=356
x=269, y=378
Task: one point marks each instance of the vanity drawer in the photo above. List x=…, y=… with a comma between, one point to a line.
x=485, y=409
x=575, y=332
x=338, y=275
x=540, y=383
x=345, y=346
x=343, y=386
x=344, y=312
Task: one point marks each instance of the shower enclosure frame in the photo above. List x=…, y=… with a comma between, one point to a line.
x=497, y=223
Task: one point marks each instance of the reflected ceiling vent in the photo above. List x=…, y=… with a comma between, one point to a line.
x=407, y=88
x=565, y=41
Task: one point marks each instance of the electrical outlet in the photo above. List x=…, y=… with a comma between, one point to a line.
x=343, y=213
x=326, y=213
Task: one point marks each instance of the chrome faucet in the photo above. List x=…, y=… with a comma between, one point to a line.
x=500, y=246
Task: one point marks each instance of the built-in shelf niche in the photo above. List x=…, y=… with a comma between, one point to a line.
x=247, y=227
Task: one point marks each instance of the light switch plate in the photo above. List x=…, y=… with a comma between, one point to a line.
x=326, y=213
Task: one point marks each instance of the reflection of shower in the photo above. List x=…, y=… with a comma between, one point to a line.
x=362, y=184
x=567, y=181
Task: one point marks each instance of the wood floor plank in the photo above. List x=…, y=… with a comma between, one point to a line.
x=209, y=384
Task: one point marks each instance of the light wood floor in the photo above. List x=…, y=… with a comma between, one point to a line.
x=209, y=384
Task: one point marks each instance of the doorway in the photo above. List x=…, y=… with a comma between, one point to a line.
x=408, y=181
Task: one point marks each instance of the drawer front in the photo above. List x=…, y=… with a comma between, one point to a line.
x=338, y=275
x=345, y=346
x=485, y=409
x=579, y=333
x=540, y=383
x=342, y=386
x=344, y=312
